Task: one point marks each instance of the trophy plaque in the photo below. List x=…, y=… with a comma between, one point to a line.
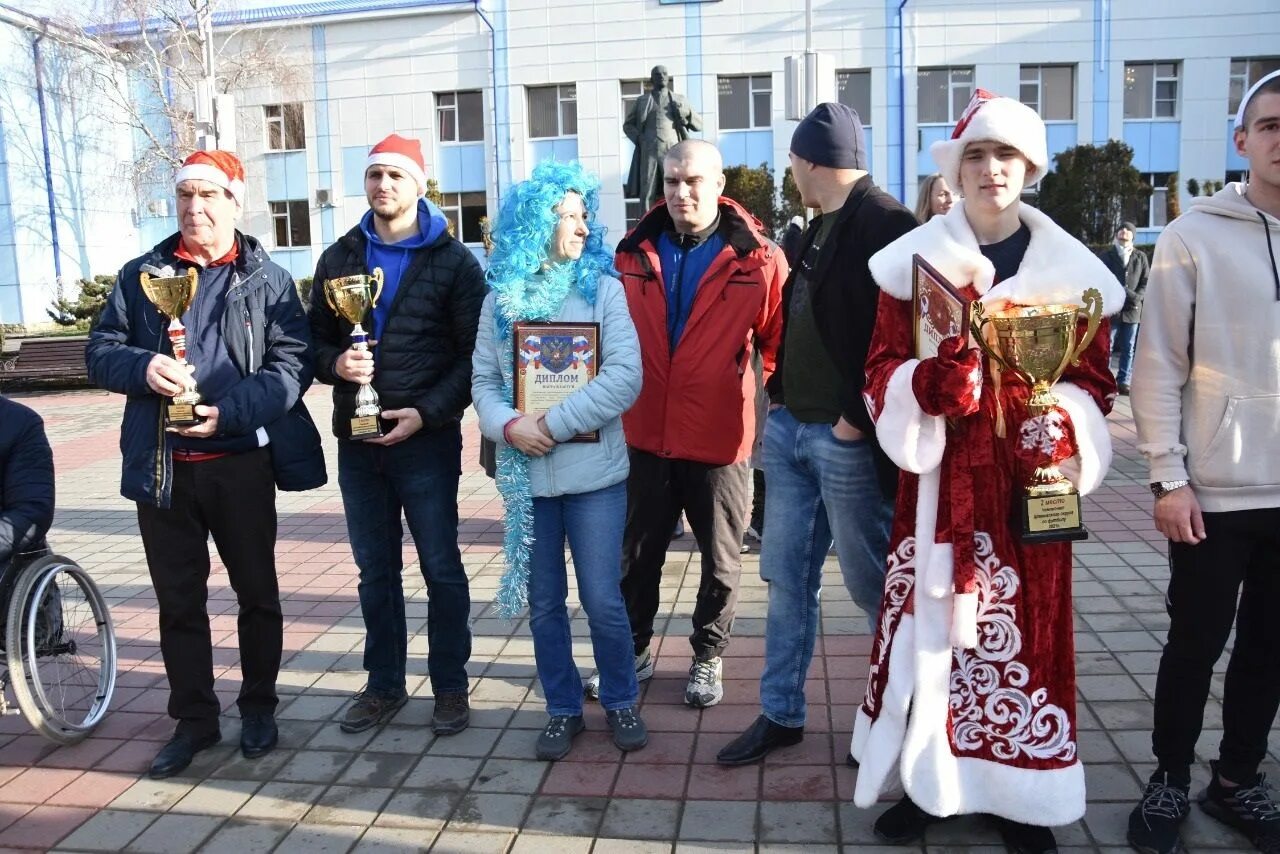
x=1037, y=343
x=940, y=311
x=172, y=296
x=552, y=361
x=351, y=298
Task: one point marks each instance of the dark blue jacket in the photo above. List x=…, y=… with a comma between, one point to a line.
x=266, y=334
x=26, y=481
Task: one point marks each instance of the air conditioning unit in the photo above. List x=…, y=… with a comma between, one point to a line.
x=324, y=199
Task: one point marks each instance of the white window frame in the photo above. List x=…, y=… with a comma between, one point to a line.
x=1156, y=80
x=452, y=204
x=268, y=121
x=753, y=89
x=1037, y=79
x=952, y=86
x=561, y=100
x=1245, y=79
x=285, y=216
x=456, y=109
x=866, y=120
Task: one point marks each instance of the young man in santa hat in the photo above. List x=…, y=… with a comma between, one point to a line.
x=424, y=330
x=1206, y=399
x=971, y=694
x=247, y=337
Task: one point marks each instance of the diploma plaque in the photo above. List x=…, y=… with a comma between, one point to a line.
x=552, y=361
x=939, y=309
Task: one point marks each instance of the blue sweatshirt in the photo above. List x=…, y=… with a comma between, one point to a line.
x=682, y=271
x=394, y=258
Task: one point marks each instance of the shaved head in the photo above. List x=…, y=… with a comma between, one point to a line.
x=697, y=151
x=692, y=180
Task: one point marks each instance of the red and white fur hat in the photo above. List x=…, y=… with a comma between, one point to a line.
x=402, y=153
x=993, y=117
x=217, y=167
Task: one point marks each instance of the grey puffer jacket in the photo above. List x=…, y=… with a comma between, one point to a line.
x=579, y=466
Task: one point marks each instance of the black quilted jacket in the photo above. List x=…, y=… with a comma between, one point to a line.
x=424, y=356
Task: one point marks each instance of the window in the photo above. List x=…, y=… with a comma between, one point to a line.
x=292, y=222
x=553, y=111
x=853, y=89
x=746, y=102
x=460, y=116
x=1153, y=212
x=942, y=94
x=1244, y=73
x=286, y=128
x=1151, y=90
x=1050, y=90
x=1234, y=175
x=464, y=211
x=634, y=213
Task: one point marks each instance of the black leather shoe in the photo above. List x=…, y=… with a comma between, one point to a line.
x=258, y=734
x=763, y=736
x=1026, y=838
x=178, y=753
x=904, y=822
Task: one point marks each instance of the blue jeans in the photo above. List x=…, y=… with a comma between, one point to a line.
x=1124, y=339
x=821, y=489
x=419, y=476
x=592, y=522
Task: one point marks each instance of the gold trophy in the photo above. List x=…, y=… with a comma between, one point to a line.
x=1037, y=343
x=173, y=295
x=351, y=298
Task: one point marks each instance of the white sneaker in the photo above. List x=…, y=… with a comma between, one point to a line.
x=706, y=686
x=644, y=672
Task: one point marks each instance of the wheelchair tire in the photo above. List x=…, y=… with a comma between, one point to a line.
x=61, y=649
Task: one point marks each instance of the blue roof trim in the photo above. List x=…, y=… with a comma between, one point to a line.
x=294, y=11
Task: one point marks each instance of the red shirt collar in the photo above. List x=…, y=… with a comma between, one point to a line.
x=232, y=254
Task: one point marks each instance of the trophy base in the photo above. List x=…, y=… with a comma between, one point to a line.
x=182, y=415
x=368, y=427
x=1051, y=518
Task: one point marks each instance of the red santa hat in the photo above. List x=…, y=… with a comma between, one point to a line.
x=402, y=153
x=993, y=117
x=217, y=167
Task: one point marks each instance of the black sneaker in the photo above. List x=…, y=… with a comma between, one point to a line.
x=557, y=736
x=1154, y=822
x=629, y=732
x=904, y=822
x=370, y=708
x=452, y=713
x=1022, y=838
x=1250, y=809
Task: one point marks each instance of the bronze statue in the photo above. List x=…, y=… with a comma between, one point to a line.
x=659, y=119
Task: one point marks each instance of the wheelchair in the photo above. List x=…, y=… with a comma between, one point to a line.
x=57, y=646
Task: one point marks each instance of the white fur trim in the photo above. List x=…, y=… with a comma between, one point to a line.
x=399, y=161
x=913, y=440
x=964, y=620
x=877, y=744
x=1056, y=269
x=938, y=575
x=1093, y=440
x=214, y=175
x=1000, y=120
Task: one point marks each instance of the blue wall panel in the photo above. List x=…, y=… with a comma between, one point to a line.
x=1061, y=136
x=929, y=134
x=562, y=149
x=747, y=147
x=287, y=176
x=461, y=168
x=353, y=160
x=1155, y=145
x=871, y=147
x=299, y=262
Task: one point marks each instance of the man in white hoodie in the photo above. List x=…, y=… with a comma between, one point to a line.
x=1206, y=398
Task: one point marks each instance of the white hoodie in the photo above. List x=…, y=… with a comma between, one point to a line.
x=1206, y=378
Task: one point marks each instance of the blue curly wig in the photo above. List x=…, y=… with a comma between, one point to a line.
x=528, y=221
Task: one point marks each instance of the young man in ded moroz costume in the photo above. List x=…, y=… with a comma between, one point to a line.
x=971, y=691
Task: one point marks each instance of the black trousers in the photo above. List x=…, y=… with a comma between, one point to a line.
x=1241, y=549
x=714, y=499
x=232, y=498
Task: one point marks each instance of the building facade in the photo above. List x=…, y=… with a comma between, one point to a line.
x=493, y=87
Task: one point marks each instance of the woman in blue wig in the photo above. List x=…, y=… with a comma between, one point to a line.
x=550, y=264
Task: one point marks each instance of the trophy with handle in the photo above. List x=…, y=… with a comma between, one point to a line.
x=1037, y=343
x=351, y=298
x=172, y=296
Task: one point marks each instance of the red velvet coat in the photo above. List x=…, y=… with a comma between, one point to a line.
x=971, y=692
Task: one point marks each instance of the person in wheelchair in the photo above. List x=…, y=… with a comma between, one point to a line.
x=26, y=490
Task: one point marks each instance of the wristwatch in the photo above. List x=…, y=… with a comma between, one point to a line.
x=1161, y=488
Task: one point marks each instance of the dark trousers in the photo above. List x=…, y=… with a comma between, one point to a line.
x=714, y=499
x=232, y=498
x=1241, y=548
x=419, y=478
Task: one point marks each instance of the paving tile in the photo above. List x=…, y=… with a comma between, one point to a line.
x=797, y=822
x=282, y=800
x=320, y=839
x=413, y=740
x=395, y=840
x=448, y=773
x=418, y=809
x=348, y=805
x=514, y=776
x=718, y=821
x=580, y=778
x=647, y=819
x=472, y=741
x=217, y=797
x=37, y=785
x=471, y=842
x=798, y=783
x=93, y=789
x=247, y=836
x=489, y=812
x=606, y=845
x=377, y=769
x=170, y=833
x=109, y=830
x=263, y=768
x=639, y=780
x=314, y=766
x=534, y=844
x=575, y=816
x=155, y=795
x=716, y=781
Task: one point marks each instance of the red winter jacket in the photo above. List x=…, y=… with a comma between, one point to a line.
x=699, y=403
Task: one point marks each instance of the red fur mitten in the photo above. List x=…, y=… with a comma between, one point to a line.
x=1044, y=440
x=949, y=383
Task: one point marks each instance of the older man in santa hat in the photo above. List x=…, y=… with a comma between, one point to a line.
x=247, y=337
x=424, y=331
x=971, y=694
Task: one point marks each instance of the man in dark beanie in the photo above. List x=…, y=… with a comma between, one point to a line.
x=828, y=479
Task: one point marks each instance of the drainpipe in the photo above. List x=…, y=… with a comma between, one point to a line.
x=493, y=69
x=902, y=106
x=44, y=144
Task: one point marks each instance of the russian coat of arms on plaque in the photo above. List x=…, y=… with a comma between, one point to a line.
x=552, y=361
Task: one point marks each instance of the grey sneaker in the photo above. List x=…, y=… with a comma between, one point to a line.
x=644, y=672
x=706, y=685
x=557, y=736
x=371, y=708
x=629, y=732
x=452, y=713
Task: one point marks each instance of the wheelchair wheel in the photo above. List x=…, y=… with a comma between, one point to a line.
x=61, y=648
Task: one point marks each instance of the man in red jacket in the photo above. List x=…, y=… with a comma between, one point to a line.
x=704, y=286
